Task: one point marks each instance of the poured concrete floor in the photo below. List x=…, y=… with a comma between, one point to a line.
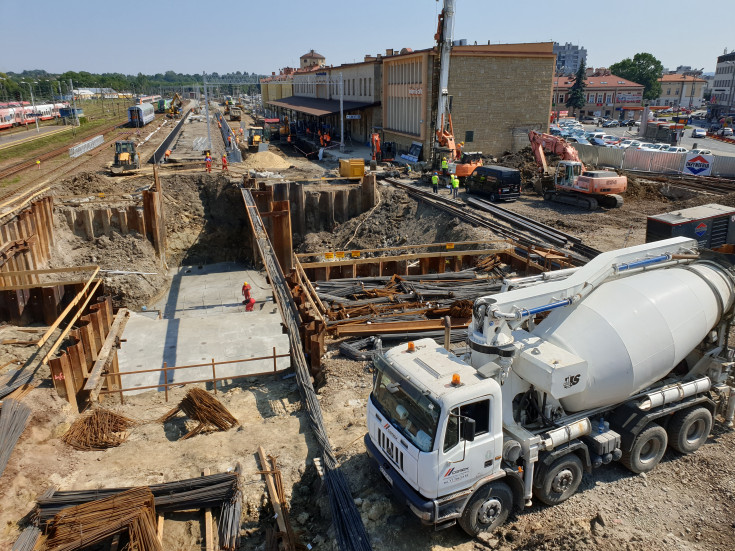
x=203, y=319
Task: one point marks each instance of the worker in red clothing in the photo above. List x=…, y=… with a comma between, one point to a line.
x=224, y=162
x=209, y=163
x=250, y=305
x=246, y=292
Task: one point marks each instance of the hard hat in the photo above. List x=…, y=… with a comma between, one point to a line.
x=245, y=283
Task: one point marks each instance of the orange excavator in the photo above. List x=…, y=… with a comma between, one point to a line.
x=572, y=183
x=465, y=162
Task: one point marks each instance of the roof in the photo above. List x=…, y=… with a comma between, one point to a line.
x=680, y=78
x=317, y=106
x=592, y=83
x=312, y=54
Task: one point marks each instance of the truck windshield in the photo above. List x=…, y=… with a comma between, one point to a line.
x=407, y=408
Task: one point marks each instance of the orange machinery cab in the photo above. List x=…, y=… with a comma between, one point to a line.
x=570, y=177
x=467, y=164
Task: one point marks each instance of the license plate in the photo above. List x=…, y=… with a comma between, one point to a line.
x=385, y=475
x=505, y=190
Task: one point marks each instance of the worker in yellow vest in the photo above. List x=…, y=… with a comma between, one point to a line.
x=455, y=187
x=435, y=182
x=445, y=167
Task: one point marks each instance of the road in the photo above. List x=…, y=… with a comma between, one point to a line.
x=8, y=140
x=717, y=147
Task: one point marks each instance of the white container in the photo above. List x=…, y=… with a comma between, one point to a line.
x=634, y=330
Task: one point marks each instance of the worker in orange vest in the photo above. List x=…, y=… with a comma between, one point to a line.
x=246, y=292
x=209, y=163
x=224, y=162
x=167, y=155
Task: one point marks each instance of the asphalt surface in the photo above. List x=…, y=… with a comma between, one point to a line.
x=7, y=139
x=717, y=147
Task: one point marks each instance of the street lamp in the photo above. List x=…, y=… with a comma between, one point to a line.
x=33, y=102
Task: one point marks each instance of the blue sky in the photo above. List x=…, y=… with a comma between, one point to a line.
x=194, y=36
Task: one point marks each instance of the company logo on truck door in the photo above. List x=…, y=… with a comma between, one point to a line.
x=455, y=475
x=572, y=380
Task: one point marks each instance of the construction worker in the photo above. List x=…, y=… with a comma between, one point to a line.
x=246, y=292
x=224, y=162
x=435, y=182
x=445, y=167
x=166, y=155
x=208, y=160
x=229, y=141
x=250, y=305
x=455, y=187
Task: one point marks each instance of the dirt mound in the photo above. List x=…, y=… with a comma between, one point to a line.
x=643, y=190
x=92, y=183
x=524, y=161
x=397, y=220
x=265, y=160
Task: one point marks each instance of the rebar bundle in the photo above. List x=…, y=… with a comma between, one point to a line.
x=180, y=495
x=13, y=419
x=229, y=520
x=27, y=539
x=200, y=406
x=132, y=511
x=98, y=430
x=10, y=382
x=20, y=392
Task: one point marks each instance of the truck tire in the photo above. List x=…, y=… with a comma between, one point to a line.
x=689, y=429
x=560, y=481
x=487, y=509
x=647, y=450
x=493, y=197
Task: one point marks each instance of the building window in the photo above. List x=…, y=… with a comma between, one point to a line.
x=668, y=91
x=469, y=136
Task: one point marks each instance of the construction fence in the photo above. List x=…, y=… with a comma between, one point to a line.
x=649, y=161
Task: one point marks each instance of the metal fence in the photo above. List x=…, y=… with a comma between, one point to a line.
x=649, y=161
x=82, y=148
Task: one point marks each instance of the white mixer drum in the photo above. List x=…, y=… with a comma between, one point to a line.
x=634, y=330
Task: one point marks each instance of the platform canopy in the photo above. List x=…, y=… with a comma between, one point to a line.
x=318, y=107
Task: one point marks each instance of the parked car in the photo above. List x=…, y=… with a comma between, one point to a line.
x=610, y=124
x=578, y=139
x=676, y=149
x=497, y=182
x=658, y=147
x=636, y=123
x=612, y=139
x=628, y=143
x=725, y=132
x=699, y=133
x=644, y=145
x=630, y=122
x=701, y=151
x=598, y=141
x=588, y=120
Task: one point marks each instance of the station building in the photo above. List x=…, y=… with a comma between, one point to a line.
x=607, y=95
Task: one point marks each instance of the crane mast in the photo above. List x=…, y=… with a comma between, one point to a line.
x=446, y=29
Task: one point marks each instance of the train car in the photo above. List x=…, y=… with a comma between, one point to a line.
x=147, y=99
x=163, y=105
x=46, y=112
x=7, y=117
x=140, y=115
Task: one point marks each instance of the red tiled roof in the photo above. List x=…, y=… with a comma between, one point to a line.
x=592, y=83
x=680, y=78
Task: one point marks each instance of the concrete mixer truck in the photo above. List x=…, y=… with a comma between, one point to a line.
x=565, y=371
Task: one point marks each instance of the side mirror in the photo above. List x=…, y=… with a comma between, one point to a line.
x=468, y=429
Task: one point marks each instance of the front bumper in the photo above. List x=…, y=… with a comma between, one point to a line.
x=404, y=493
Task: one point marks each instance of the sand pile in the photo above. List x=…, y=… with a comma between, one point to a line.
x=265, y=160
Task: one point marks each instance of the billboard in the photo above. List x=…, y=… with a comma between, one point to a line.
x=698, y=165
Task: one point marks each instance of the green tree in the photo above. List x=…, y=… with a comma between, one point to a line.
x=577, y=97
x=643, y=69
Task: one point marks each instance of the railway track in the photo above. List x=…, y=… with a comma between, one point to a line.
x=521, y=230
x=715, y=186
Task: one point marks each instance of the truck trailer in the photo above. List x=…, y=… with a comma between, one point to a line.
x=566, y=371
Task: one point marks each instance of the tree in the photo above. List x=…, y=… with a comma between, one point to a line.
x=643, y=69
x=577, y=98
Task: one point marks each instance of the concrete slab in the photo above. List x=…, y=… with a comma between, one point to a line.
x=203, y=320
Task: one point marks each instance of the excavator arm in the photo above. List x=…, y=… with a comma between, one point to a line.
x=552, y=144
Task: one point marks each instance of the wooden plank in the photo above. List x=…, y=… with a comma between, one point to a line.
x=399, y=327
x=56, y=345
x=95, y=380
x=89, y=268
x=68, y=378
x=71, y=305
x=43, y=284
x=271, y=485
x=159, y=530
x=208, y=531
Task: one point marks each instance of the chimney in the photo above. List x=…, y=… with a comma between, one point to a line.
x=273, y=73
x=388, y=52
x=378, y=57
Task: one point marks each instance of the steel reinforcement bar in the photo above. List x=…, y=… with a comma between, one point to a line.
x=349, y=529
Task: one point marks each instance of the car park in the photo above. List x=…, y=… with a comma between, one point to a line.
x=610, y=140
x=628, y=143
x=588, y=120
x=610, y=124
x=699, y=133
x=644, y=145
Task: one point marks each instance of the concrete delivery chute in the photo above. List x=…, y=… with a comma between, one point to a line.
x=629, y=356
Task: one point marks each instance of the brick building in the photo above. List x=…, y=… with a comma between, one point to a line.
x=678, y=90
x=607, y=96
x=497, y=93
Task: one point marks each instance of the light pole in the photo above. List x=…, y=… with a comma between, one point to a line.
x=33, y=102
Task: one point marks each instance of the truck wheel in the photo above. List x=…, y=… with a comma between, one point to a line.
x=487, y=509
x=493, y=198
x=689, y=429
x=560, y=481
x=647, y=450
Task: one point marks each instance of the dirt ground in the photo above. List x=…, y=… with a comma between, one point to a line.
x=686, y=503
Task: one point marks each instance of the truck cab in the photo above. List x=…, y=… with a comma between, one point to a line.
x=435, y=428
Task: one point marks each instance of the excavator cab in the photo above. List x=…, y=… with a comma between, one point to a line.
x=126, y=157
x=567, y=173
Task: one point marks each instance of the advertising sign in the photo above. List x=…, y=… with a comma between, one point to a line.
x=698, y=165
